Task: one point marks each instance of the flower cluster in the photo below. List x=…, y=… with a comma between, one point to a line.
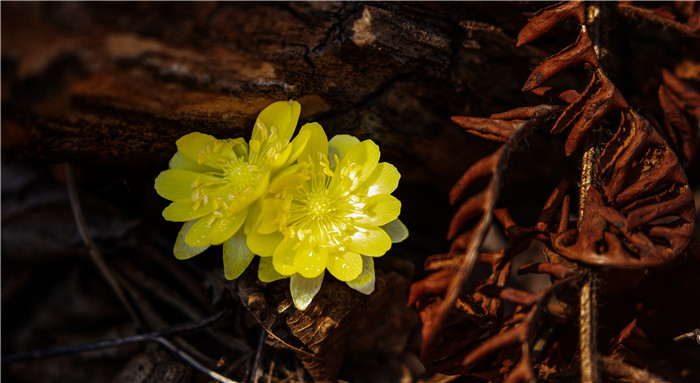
x=303, y=205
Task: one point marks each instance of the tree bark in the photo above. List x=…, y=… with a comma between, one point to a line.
x=120, y=82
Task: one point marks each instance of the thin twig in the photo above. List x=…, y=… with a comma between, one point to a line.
x=116, y=287
x=587, y=328
x=94, y=250
x=588, y=302
x=256, y=370
x=184, y=328
x=695, y=334
x=218, y=377
x=623, y=370
x=156, y=336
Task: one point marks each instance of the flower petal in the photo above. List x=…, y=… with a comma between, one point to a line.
x=239, y=146
x=298, y=144
x=267, y=272
x=339, y=146
x=283, y=257
x=364, y=282
x=345, y=266
x=263, y=245
x=281, y=158
x=310, y=262
x=194, y=145
x=290, y=177
x=304, y=289
x=269, y=215
x=318, y=142
x=282, y=116
x=261, y=183
x=373, y=242
x=182, y=250
x=180, y=161
x=397, y=231
x=176, y=184
x=237, y=256
x=215, y=229
x=183, y=210
x=379, y=210
x=384, y=179
x=357, y=165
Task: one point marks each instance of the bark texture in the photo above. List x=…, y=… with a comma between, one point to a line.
x=119, y=82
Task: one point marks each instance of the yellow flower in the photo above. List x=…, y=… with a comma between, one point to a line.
x=212, y=183
x=329, y=211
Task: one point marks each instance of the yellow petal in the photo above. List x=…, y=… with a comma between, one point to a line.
x=304, y=289
x=261, y=184
x=269, y=215
x=339, y=146
x=254, y=216
x=283, y=257
x=396, y=230
x=318, y=141
x=263, y=245
x=364, y=282
x=180, y=161
x=290, y=177
x=237, y=256
x=383, y=180
x=282, y=158
x=345, y=266
x=183, y=250
x=194, y=144
x=298, y=144
x=215, y=229
x=267, y=272
x=239, y=146
x=184, y=210
x=379, y=210
x=176, y=184
x=282, y=116
x=357, y=165
x=310, y=262
x=373, y=242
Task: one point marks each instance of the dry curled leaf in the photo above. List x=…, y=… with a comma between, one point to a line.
x=638, y=213
x=320, y=334
x=681, y=107
x=642, y=214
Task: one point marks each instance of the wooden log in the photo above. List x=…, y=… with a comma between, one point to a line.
x=116, y=82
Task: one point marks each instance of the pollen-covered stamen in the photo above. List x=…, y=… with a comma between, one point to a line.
x=232, y=188
x=267, y=147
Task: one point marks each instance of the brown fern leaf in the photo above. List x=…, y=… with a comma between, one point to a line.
x=493, y=130
x=577, y=53
x=681, y=107
x=483, y=204
x=662, y=16
x=628, y=344
x=547, y=18
x=598, y=99
x=643, y=213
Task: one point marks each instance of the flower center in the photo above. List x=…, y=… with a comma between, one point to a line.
x=241, y=175
x=232, y=189
x=319, y=206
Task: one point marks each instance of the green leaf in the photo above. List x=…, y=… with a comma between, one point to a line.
x=267, y=272
x=237, y=256
x=397, y=230
x=304, y=289
x=364, y=283
x=182, y=250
